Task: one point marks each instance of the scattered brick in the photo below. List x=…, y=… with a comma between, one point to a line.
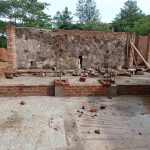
x=93, y=109
x=82, y=79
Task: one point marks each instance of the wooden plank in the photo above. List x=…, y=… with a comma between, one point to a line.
x=132, y=52
x=140, y=55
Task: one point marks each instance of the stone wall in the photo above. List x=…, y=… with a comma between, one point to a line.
x=70, y=49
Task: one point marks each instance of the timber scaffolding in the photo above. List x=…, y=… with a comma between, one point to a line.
x=131, y=49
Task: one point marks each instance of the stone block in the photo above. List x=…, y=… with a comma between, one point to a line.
x=113, y=90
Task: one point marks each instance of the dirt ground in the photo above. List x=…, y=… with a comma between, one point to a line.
x=51, y=123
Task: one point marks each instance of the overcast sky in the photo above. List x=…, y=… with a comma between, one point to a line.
x=108, y=8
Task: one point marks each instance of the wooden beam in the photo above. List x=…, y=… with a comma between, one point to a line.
x=140, y=55
x=132, y=52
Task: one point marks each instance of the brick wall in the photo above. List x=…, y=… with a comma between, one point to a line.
x=26, y=90
x=11, y=46
x=4, y=67
x=73, y=90
x=85, y=90
x=4, y=61
x=148, y=49
x=8, y=56
x=133, y=89
x=142, y=47
x=4, y=55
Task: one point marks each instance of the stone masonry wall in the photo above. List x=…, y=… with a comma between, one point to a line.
x=37, y=48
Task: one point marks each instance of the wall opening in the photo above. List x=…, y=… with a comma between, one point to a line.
x=31, y=63
x=80, y=62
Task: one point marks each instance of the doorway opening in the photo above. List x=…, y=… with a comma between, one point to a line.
x=31, y=62
x=80, y=62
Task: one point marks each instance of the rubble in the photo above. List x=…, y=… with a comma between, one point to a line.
x=140, y=133
x=9, y=76
x=103, y=107
x=83, y=107
x=94, y=115
x=109, y=97
x=16, y=75
x=82, y=79
x=139, y=71
x=97, y=131
x=22, y=103
x=76, y=72
x=80, y=115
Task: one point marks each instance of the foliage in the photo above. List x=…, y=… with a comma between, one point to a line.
x=3, y=34
x=28, y=13
x=63, y=19
x=86, y=11
x=3, y=42
x=98, y=26
x=129, y=14
x=142, y=26
x=93, y=26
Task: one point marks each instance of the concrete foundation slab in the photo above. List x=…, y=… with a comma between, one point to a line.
x=61, y=123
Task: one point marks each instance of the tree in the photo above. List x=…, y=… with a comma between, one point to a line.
x=129, y=14
x=86, y=11
x=80, y=10
x=3, y=42
x=142, y=26
x=28, y=13
x=63, y=19
x=98, y=26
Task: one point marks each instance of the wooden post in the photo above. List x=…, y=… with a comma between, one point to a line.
x=127, y=54
x=132, y=52
x=148, y=49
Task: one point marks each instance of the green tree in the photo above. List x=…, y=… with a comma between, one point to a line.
x=91, y=26
x=3, y=34
x=98, y=26
x=86, y=11
x=3, y=42
x=129, y=14
x=28, y=13
x=63, y=19
x=142, y=26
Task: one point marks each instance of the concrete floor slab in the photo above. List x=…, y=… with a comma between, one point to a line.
x=45, y=123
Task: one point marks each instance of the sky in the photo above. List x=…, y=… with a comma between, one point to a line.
x=108, y=8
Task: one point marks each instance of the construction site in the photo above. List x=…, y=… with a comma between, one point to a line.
x=74, y=90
